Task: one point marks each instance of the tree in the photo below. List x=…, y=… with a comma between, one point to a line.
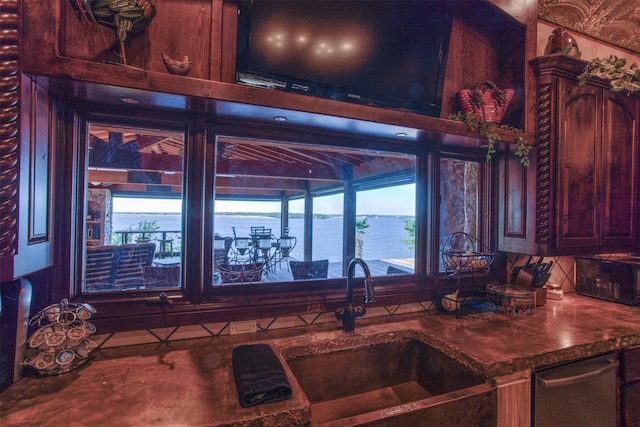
x=361, y=225
x=410, y=226
x=142, y=226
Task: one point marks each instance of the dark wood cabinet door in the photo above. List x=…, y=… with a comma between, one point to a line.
x=516, y=204
x=577, y=164
x=619, y=146
x=587, y=154
x=31, y=244
x=630, y=410
x=630, y=387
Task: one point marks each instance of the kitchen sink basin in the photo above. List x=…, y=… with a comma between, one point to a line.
x=399, y=383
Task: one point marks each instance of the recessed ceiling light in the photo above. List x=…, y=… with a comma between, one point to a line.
x=129, y=100
x=401, y=134
x=280, y=118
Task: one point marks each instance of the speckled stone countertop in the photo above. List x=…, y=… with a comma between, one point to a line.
x=190, y=383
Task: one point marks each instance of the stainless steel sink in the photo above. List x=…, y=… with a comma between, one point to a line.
x=399, y=383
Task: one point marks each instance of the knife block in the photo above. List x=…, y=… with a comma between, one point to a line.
x=541, y=296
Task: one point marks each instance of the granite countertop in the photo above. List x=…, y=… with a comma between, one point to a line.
x=191, y=382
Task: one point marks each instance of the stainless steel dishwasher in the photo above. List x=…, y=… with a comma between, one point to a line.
x=580, y=394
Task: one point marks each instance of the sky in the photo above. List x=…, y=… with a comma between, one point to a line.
x=398, y=200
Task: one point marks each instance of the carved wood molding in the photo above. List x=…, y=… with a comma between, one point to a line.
x=543, y=179
x=10, y=124
x=614, y=21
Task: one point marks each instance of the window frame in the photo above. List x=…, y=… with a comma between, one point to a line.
x=82, y=118
x=277, y=134
x=486, y=199
x=197, y=301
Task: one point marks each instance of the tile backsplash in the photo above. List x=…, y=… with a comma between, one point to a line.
x=562, y=273
x=119, y=339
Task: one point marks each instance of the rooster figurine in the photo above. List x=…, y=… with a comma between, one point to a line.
x=178, y=67
x=125, y=16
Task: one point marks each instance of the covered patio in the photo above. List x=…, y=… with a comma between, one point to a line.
x=253, y=170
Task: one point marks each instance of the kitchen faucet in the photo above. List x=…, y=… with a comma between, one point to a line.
x=349, y=313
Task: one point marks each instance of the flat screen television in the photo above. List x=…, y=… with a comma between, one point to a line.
x=389, y=54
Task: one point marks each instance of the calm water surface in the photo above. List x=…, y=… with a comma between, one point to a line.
x=383, y=239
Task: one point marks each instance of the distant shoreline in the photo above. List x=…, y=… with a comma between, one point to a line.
x=264, y=215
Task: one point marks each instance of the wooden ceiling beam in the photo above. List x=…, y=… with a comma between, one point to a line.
x=280, y=169
x=258, y=183
x=115, y=176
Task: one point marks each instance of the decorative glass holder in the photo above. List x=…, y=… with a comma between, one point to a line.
x=61, y=343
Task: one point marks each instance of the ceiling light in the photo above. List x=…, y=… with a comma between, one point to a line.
x=401, y=134
x=94, y=168
x=129, y=100
x=280, y=118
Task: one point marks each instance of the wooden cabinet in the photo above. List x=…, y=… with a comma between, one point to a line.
x=516, y=204
x=630, y=387
x=25, y=222
x=66, y=47
x=586, y=183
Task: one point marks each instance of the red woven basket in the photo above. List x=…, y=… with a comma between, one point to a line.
x=490, y=108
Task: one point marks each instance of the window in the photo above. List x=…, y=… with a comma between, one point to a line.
x=461, y=187
x=256, y=208
x=385, y=225
x=283, y=203
x=132, y=234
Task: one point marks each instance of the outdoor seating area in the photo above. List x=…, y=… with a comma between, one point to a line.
x=255, y=239
x=258, y=257
x=127, y=267
x=250, y=273
x=245, y=259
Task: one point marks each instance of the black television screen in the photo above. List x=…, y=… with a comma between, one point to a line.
x=390, y=54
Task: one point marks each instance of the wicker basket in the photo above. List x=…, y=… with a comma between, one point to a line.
x=485, y=101
x=462, y=252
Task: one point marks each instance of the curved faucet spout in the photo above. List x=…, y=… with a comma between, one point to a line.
x=349, y=313
x=369, y=294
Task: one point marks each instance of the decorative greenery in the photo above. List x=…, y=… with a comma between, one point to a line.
x=612, y=69
x=488, y=130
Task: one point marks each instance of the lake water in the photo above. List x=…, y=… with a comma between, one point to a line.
x=383, y=239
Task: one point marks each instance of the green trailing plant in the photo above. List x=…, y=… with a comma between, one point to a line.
x=487, y=130
x=612, y=69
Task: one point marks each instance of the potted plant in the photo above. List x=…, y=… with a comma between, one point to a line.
x=612, y=69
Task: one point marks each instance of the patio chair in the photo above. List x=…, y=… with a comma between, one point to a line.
x=130, y=262
x=221, y=247
x=241, y=244
x=259, y=238
x=100, y=267
x=304, y=270
x=241, y=273
x=395, y=270
x=284, y=246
